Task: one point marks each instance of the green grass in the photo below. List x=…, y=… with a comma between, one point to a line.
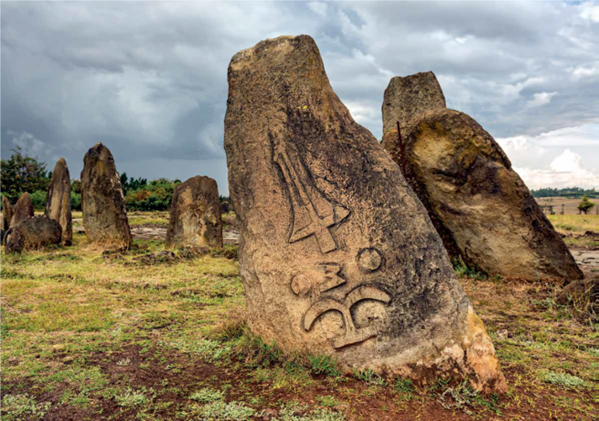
x=105, y=336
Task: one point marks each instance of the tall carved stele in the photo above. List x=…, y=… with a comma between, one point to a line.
x=337, y=254
x=102, y=200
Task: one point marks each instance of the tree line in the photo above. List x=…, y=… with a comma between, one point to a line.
x=23, y=173
x=570, y=192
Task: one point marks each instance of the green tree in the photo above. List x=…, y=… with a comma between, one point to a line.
x=585, y=205
x=22, y=173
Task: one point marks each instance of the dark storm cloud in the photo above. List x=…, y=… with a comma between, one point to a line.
x=149, y=78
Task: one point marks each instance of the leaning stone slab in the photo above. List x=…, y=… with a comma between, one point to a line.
x=482, y=209
x=195, y=215
x=337, y=254
x=102, y=200
x=32, y=234
x=22, y=210
x=7, y=212
x=58, y=200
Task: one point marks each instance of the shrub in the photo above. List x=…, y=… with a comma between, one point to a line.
x=39, y=199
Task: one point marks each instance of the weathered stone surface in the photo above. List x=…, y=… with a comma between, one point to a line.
x=408, y=97
x=14, y=241
x=102, y=200
x=195, y=215
x=337, y=254
x=479, y=205
x=58, y=200
x=7, y=212
x=22, y=210
x=33, y=233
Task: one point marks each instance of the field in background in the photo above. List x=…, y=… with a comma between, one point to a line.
x=569, y=205
x=148, y=335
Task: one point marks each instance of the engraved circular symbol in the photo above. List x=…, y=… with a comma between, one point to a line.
x=369, y=259
x=301, y=285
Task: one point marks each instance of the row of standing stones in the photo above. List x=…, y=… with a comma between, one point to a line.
x=345, y=243
x=195, y=214
x=342, y=253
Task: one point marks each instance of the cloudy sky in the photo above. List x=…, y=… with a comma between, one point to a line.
x=148, y=79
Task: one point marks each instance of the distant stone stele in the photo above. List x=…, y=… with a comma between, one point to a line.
x=482, y=209
x=195, y=215
x=102, y=200
x=337, y=255
x=7, y=212
x=22, y=210
x=58, y=200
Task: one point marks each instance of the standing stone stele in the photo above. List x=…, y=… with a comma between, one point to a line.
x=7, y=212
x=58, y=201
x=482, y=209
x=102, y=200
x=337, y=254
x=22, y=210
x=195, y=215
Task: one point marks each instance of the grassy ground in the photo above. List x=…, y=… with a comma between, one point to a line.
x=574, y=227
x=92, y=335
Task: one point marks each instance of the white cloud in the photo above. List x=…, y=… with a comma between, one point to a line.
x=580, y=72
x=590, y=12
x=541, y=98
x=565, y=170
x=568, y=161
x=320, y=8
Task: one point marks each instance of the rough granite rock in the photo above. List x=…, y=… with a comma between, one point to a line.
x=337, y=254
x=33, y=233
x=479, y=205
x=58, y=200
x=7, y=212
x=102, y=200
x=195, y=215
x=22, y=210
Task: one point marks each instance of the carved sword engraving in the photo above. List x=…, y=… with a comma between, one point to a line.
x=313, y=214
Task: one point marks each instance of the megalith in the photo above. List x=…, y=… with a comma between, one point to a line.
x=7, y=212
x=479, y=205
x=102, y=200
x=33, y=233
x=22, y=210
x=337, y=255
x=195, y=214
x=58, y=200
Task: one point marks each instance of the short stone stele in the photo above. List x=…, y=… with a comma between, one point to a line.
x=195, y=216
x=58, y=200
x=337, y=254
x=33, y=233
x=102, y=200
x=483, y=211
x=22, y=210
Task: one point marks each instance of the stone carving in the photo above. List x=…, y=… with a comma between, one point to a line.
x=352, y=334
x=7, y=212
x=336, y=253
x=479, y=205
x=313, y=214
x=102, y=200
x=22, y=210
x=369, y=259
x=58, y=201
x=195, y=215
x=325, y=277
